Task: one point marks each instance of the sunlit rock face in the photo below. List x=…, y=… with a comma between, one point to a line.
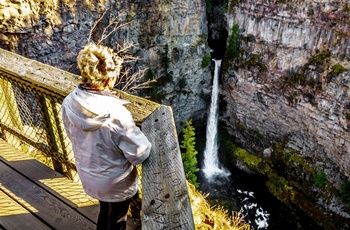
x=286, y=86
x=53, y=32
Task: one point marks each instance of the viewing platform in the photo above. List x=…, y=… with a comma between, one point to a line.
x=33, y=196
x=39, y=185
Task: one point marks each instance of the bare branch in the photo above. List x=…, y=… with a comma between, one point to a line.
x=127, y=81
x=116, y=25
x=123, y=48
x=132, y=83
x=95, y=24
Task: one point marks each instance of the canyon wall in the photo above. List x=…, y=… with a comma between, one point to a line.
x=290, y=84
x=53, y=32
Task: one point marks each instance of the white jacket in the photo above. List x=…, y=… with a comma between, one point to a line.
x=106, y=144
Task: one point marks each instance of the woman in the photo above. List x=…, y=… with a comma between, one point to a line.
x=106, y=142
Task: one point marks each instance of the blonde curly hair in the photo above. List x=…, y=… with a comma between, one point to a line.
x=97, y=64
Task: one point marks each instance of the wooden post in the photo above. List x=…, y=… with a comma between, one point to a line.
x=165, y=201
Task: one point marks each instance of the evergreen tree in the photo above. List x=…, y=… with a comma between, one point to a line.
x=232, y=50
x=189, y=156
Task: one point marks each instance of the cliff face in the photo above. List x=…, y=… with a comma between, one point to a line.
x=53, y=32
x=289, y=86
x=291, y=83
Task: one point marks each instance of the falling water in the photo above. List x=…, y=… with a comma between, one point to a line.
x=211, y=165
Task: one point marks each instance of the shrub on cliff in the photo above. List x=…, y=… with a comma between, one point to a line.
x=320, y=179
x=338, y=69
x=189, y=156
x=206, y=61
x=232, y=50
x=345, y=193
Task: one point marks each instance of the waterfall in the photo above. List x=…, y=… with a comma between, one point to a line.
x=211, y=165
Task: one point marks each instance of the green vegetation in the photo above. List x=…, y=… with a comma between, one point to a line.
x=251, y=160
x=149, y=76
x=166, y=59
x=319, y=59
x=282, y=174
x=231, y=9
x=249, y=38
x=241, y=127
x=300, y=79
x=154, y=90
x=206, y=61
x=347, y=115
x=338, y=69
x=320, y=179
x=232, y=50
x=281, y=1
x=345, y=193
x=347, y=8
x=155, y=94
x=291, y=155
x=167, y=76
x=253, y=62
x=256, y=134
x=224, y=6
x=189, y=156
x=241, y=57
x=280, y=188
x=203, y=36
x=209, y=6
x=311, y=86
x=201, y=40
x=182, y=83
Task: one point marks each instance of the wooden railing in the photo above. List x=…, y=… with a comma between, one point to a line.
x=31, y=94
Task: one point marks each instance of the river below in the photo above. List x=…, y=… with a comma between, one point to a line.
x=248, y=193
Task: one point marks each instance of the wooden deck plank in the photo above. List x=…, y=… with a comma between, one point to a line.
x=46, y=206
x=51, y=181
x=14, y=216
x=63, y=188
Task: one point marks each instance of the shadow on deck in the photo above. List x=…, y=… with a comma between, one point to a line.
x=33, y=196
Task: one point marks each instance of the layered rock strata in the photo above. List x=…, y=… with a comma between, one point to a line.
x=291, y=83
x=53, y=32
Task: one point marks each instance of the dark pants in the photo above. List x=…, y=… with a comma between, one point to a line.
x=113, y=215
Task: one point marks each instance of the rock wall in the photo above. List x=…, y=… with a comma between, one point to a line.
x=286, y=85
x=53, y=32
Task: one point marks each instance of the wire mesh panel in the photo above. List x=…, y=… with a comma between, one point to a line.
x=30, y=118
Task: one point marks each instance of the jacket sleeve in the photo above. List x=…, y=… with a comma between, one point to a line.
x=131, y=140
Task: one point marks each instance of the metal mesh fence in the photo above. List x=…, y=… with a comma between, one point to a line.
x=30, y=118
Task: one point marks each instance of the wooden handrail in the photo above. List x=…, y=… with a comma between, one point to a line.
x=165, y=201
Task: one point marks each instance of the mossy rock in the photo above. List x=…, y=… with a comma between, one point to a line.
x=338, y=69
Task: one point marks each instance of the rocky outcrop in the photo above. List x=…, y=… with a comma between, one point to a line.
x=291, y=83
x=289, y=86
x=53, y=32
